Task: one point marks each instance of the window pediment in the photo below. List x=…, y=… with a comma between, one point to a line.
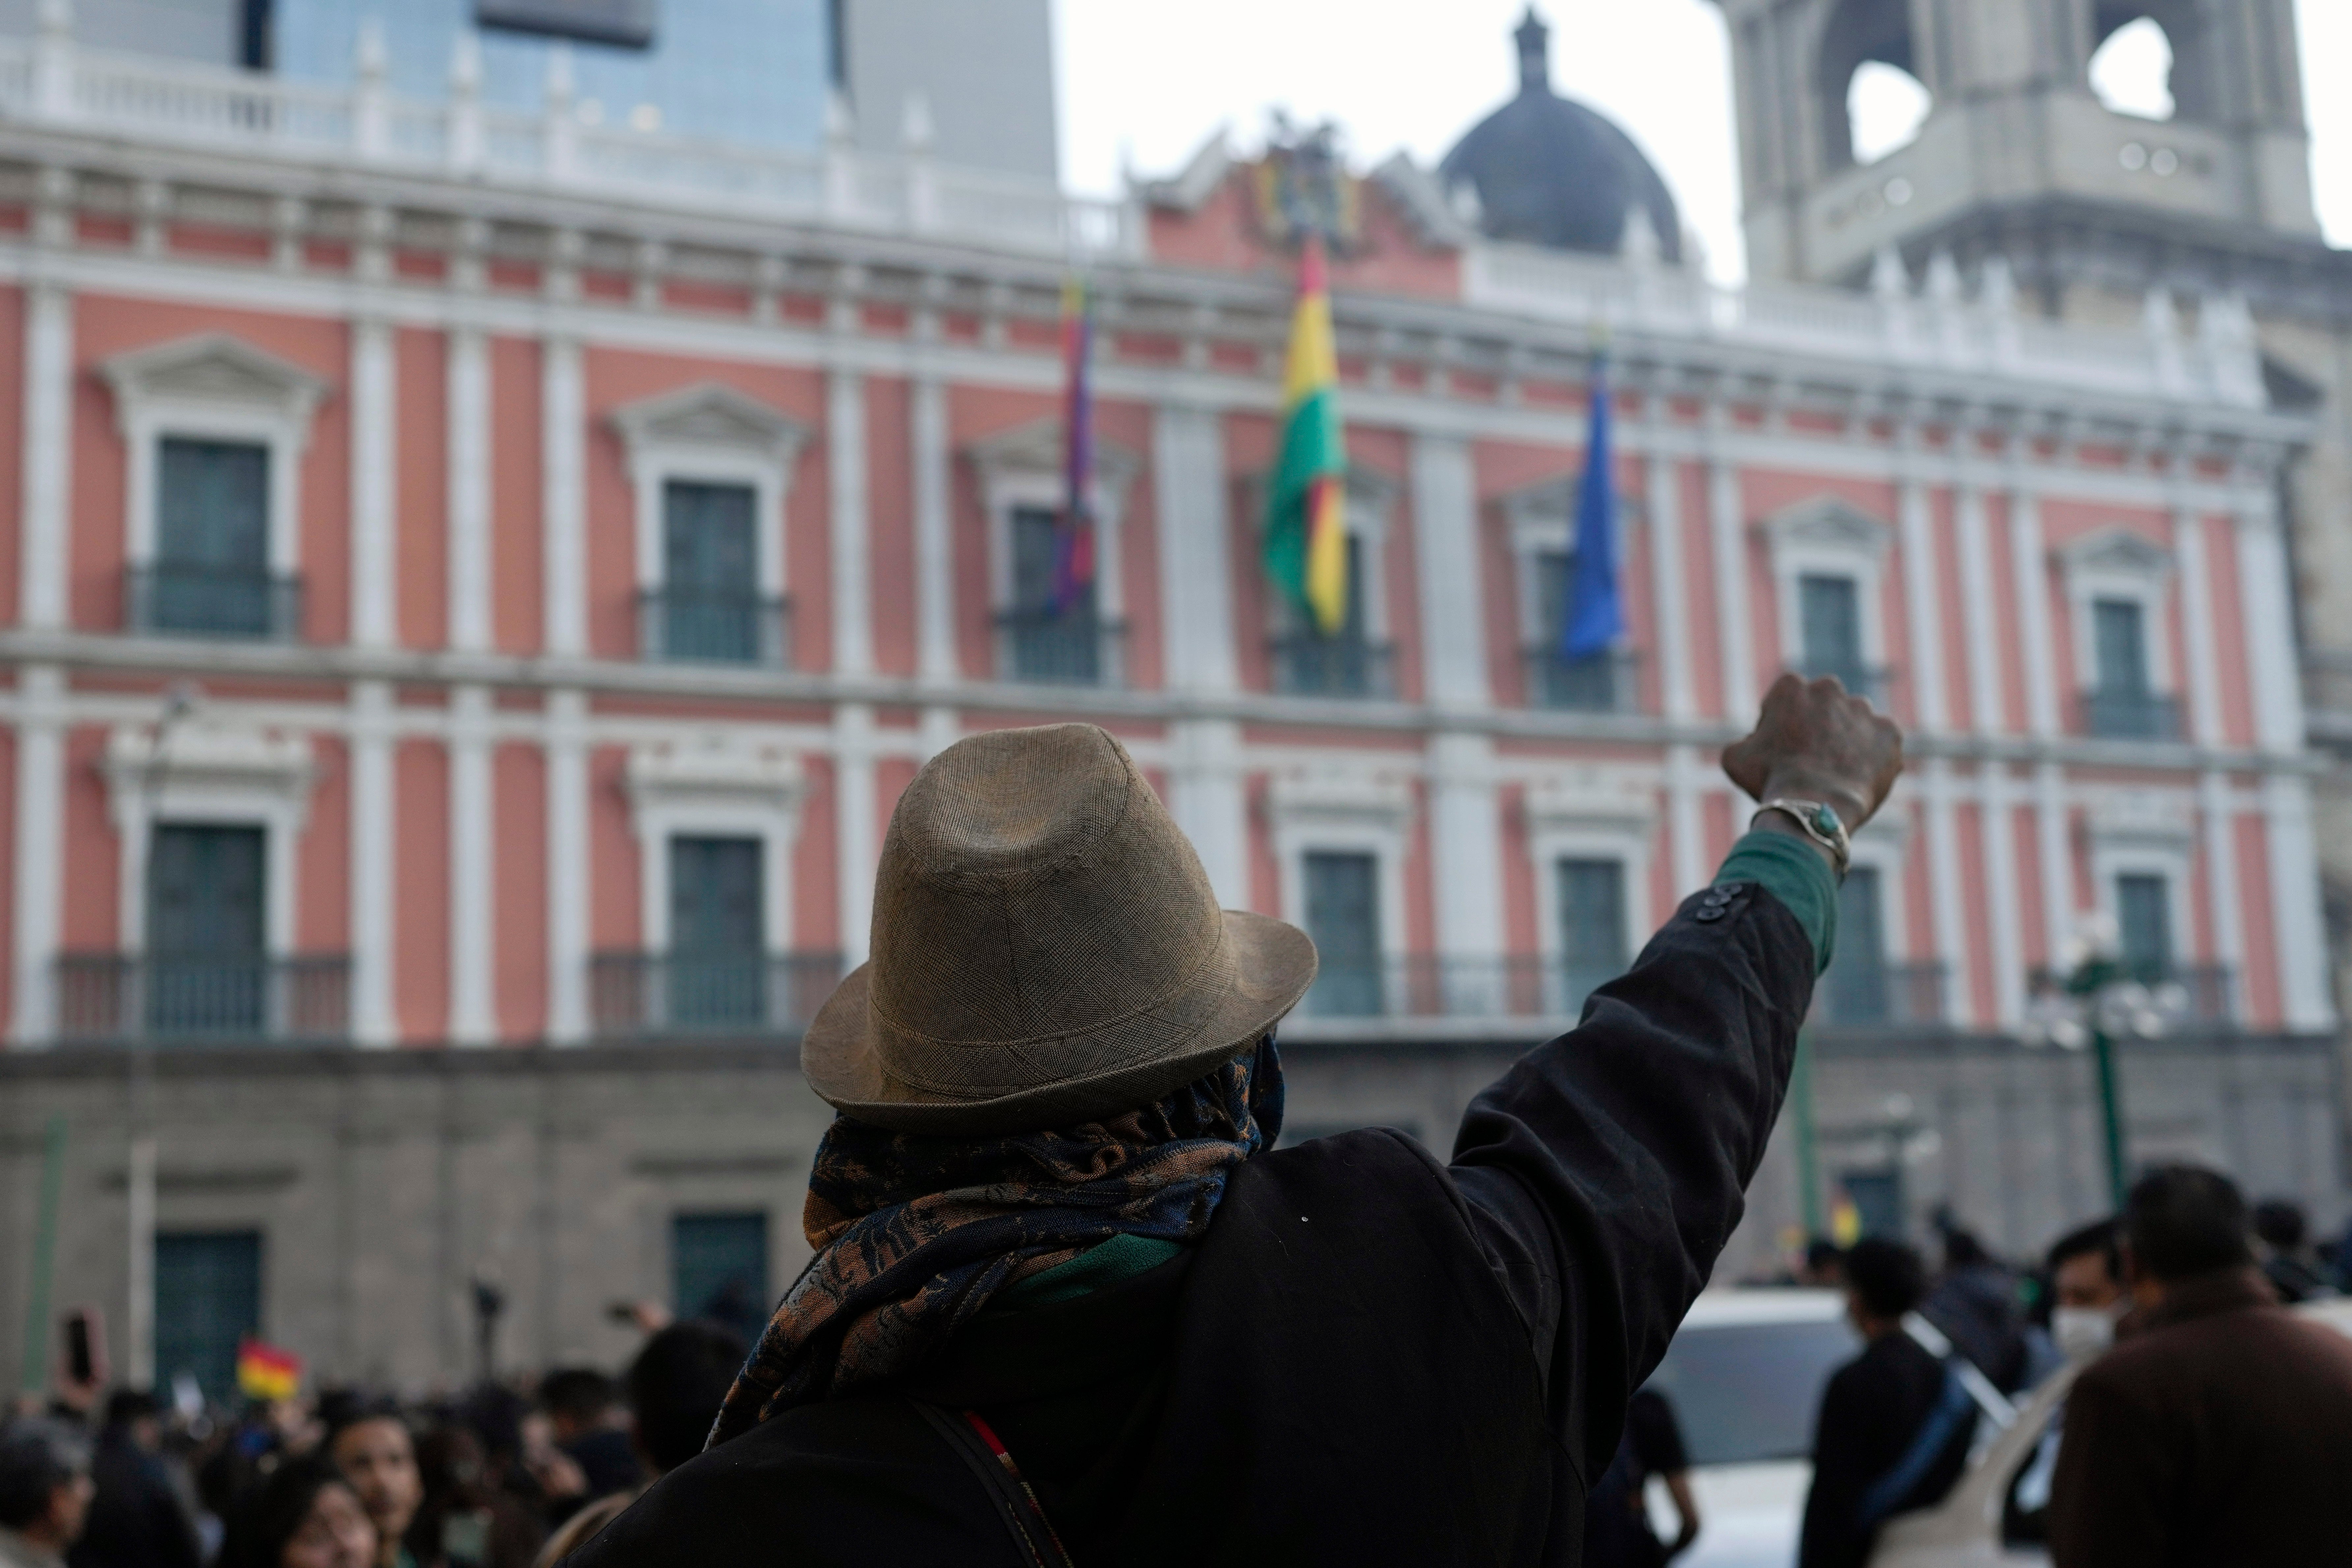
x=1339, y=800
x=2147, y=818
x=710, y=413
x=214, y=370
x=1587, y=799
x=714, y=772
x=1036, y=448
x=1828, y=523
x=2116, y=553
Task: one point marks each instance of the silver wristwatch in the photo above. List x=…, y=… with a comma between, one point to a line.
x=1819, y=822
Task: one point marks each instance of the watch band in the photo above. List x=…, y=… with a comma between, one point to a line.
x=1819, y=822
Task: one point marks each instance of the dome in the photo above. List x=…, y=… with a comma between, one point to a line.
x=1548, y=170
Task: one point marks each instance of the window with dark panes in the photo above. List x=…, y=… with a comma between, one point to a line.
x=1592, y=926
x=710, y=593
x=211, y=571
x=208, y=1300
x=1829, y=612
x=2119, y=636
x=719, y=1269
x=1048, y=642
x=2144, y=923
x=717, y=957
x=1856, y=985
x=1342, y=663
x=207, y=963
x=1343, y=916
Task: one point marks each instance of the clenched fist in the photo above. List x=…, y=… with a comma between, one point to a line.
x=1812, y=741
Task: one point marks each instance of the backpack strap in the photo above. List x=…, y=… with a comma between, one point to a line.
x=985, y=1455
x=1887, y=1494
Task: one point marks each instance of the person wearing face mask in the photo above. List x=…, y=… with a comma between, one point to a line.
x=2088, y=1299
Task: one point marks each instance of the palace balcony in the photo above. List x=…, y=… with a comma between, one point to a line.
x=643, y=995
x=707, y=626
x=1309, y=666
x=183, y=599
x=1079, y=648
x=1603, y=683
x=2129, y=715
x=131, y=998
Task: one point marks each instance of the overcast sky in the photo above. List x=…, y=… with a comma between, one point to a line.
x=1145, y=81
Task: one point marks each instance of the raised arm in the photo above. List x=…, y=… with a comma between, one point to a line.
x=1608, y=1168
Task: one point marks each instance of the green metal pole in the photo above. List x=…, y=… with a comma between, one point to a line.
x=44, y=1258
x=2111, y=1110
x=1808, y=1175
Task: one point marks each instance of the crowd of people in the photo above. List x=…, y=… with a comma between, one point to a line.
x=505, y=1476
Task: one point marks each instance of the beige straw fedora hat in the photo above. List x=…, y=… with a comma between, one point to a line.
x=1047, y=949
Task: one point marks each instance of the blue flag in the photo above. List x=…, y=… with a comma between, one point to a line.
x=1595, y=618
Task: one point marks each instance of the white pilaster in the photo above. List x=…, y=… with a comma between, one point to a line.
x=1206, y=799
x=2001, y=896
x=1986, y=701
x=1667, y=579
x=567, y=867
x=2270, y=627
x=1946, y=905
x=1928, y=695
x=374, y=852
x=2057, y=854
x=2197, y=627
x=2295, y=899
x=40, y=833
x=856, y=836
x=1448, y=562
x=2217, y=817
x=2032, y=571
x=853, y=603
x=47, y=454
x=1686, y=829
x=375, y=567
x=473, y=925
x=1195, y=576
x=469, y=490
x=1467, y=846
x=935, y=640
x=562, y=442
x=1740, y=693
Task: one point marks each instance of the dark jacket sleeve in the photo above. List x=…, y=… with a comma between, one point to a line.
x=2119, y=1471
x=1606, y=1169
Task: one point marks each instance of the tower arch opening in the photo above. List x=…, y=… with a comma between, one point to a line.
x=2151, y=59
x=1870, y=99
x=2131, y=72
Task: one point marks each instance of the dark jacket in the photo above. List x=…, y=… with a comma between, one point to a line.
x=1875, y=1408
x=135, y=1519
x=1370, y=1357
x=2219, y=1435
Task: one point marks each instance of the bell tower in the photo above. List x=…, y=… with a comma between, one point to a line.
x=2015, y=128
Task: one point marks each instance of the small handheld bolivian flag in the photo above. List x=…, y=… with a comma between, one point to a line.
x=266, y=1372
x=1306, y=518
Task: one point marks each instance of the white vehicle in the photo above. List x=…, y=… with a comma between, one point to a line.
x=1745, y=1376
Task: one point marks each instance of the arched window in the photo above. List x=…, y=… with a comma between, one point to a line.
x=1871, y=103
x=2132, y=71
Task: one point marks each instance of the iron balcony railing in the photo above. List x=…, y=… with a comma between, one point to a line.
x=643, y=994
x=1306, y=664
x=2184, y=995
x=1861, y=996
x=2128, y=715
x=711, y=626
x=209, y=999
x=1602, y=683
x=1429, y=986
x=1079, y=648
x=1874, y=681
x=213, y=601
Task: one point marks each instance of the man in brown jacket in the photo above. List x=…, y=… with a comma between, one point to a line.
x=2219, y=1430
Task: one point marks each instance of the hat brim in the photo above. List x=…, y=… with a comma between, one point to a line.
x=1274, y=963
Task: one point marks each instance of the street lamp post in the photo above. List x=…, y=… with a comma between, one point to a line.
x=2095, y=1002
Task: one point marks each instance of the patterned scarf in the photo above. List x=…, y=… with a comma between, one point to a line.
x=915, y=1232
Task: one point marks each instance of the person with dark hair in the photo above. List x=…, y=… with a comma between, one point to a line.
x=1973, y=1303
x=1073, y=1299
x=136, y=1520
x=2287, y=1259
x=2086, y=1289
x=302, y=1514
x=45, y=1492
x=377, y=1454
x=1824, y=1265
x=675, y=1386
x=1895, y=1424
x=2215, y=1434
x=587, y=1422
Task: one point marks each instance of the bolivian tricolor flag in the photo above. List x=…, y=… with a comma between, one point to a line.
x=1306, y=520
x=266, y=1372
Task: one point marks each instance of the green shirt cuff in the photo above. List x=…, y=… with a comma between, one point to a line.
x=1122, y=1256
x=1792, y=871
